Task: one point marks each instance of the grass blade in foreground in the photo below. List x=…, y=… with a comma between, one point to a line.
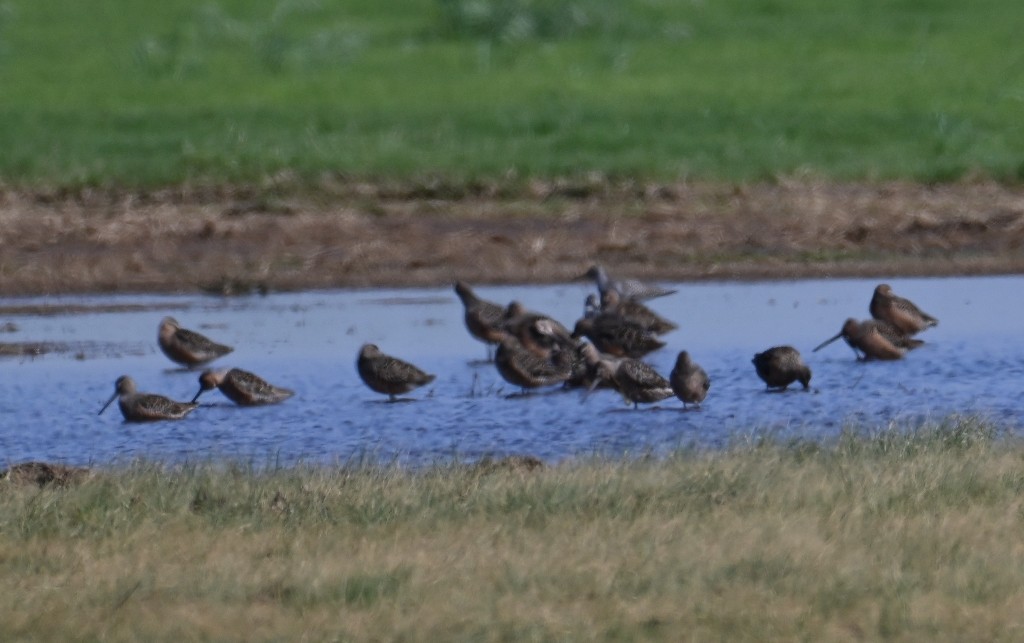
x=906, y=534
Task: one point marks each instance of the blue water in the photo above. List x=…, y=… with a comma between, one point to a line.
x=973, y=363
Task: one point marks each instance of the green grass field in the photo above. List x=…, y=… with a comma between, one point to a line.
x=907, y=535
x=132, y=94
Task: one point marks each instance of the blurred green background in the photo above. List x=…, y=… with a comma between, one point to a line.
x=145, y=94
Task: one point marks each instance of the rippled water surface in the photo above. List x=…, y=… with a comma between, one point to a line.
x=973, y=363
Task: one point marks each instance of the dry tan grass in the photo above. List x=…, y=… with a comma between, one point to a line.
x=907, y=536
x=387, y=234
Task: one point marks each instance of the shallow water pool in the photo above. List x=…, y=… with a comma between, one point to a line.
x=973, y=363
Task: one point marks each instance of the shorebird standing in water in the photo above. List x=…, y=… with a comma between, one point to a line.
x=538, y=333
x=389, y=375
x=689, y=381
x=899, y=312
x=187, y=347
x=780, y=366
x=524, y=368
x=145, y=407
x=634, y=311
x=242, y=387
x=628, y=288
x=484, y=319
x=617, y=335
x=635, y=380
x=874, y=338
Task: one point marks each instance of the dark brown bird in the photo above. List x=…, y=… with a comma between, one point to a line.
x=484, y=319
x=242, y=387
x=780, y=366
x=635, y=380
x=187, y=347
x=634, y=311
x=537, y=332
x=145, y=407
x=521, y=367
x=899, y=312
x=389, y=375
x=875, y=339
x=584, y=367
x=689, y=381
x=617, y=336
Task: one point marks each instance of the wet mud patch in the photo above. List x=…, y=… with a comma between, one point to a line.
x=62, y=310
x=77, y=350
x=388, y=234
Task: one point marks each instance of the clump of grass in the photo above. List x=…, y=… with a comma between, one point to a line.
x=896, y=534
x=7, y=15
x=522, y=20
x=273, y=42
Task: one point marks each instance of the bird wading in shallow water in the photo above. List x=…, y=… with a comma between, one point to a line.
x=145, y=407
x=524, y=368
x=873, y=339
x=187, y=347
x=635, y=380
x=689, y=381
x=484, y=319
x=617, y=335
x=899, y=312
x=634, y=311
x=242, y=387
x=780, y=366
x=537, y=332
x=389, y=375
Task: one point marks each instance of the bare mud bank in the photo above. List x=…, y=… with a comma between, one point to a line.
x=233, y=240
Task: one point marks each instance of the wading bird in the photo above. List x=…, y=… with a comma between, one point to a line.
x=389, y=375
x=899, y=312
x=873, y=338
x=242, y=387
x=689, y=381
x=145, y=407
x=187, y=347
x=780, y=366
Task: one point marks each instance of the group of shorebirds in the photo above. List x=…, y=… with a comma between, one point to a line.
x=192, y=350
x=532, y=350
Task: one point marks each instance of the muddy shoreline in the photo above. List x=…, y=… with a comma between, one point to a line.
x=232, y=240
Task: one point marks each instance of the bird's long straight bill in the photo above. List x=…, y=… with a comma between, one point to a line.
x=590, y=389
x=196, y=396
x=112, y=398
x=826, y=343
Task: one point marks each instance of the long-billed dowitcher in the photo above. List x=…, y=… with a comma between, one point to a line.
x=617, y=335
x=484, y=319
x=387, y=374
x=628, y=288
x=874, y=338
x=635, y=380
x=689, y=381
x=537, y=332
x=633, y=310
x=780, y=366
x=585, y=362
x=900, y=312
x=187, y=347
x=242, y=387
x=524, y=368
x=145, y=407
